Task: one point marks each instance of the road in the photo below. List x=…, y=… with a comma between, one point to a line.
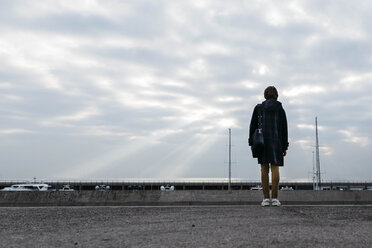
x=183, y=226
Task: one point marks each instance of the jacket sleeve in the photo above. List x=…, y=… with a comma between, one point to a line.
x=253, y=126
x=284, y=130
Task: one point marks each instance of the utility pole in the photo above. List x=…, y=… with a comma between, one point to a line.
x=318, y=179
x=315, y=185
x=229, y=187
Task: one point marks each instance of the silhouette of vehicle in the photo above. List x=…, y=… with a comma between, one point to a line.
x=286, y=188
x=135, y=187
x=66, y=187
x=27, y=187
x=256, y=187
x=167, y=187
x=103, y=187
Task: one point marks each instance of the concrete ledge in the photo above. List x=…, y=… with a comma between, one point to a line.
x=189, y=197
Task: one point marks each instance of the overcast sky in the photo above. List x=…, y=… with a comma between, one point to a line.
x=148, y=89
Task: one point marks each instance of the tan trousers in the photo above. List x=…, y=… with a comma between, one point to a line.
x=274, y=180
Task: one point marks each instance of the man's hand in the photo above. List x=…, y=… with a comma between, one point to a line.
x=284, y=153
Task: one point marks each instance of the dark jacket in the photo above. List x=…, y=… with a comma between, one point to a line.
x=275, y=131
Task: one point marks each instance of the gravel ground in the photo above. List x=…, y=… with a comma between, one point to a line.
x=197, y=226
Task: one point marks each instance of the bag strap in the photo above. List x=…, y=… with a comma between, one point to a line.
x=260, y=116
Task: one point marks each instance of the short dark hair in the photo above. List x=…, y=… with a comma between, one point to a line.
x=271, y=92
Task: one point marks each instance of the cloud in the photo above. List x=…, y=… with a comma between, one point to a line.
x=149, y=89
x=352, y=136
x=15, y=131
x=10, y=97
x=81, y=115
x=302, y=89
x=308, y=126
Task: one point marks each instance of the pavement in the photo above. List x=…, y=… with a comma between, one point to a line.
x=187, y=226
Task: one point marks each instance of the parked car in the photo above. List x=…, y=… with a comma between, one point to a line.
x=66, y=188
x=135, y=187
x=167, y=187
x=356, y=188
x=103, y=187
x=257, y=187
x=286, y=188
x=339, y=188
x=27, y=187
